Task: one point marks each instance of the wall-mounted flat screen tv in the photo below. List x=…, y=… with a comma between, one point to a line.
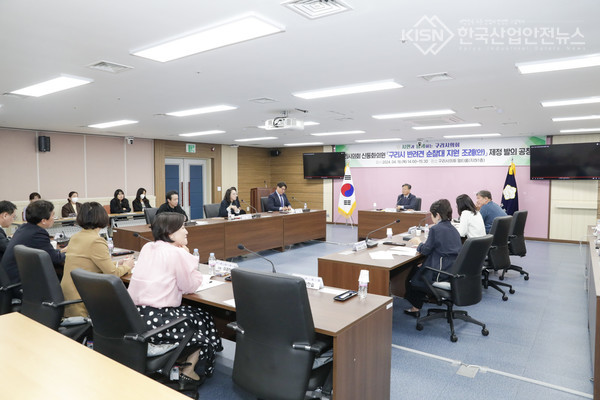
x=565, y=161
x=324, y=165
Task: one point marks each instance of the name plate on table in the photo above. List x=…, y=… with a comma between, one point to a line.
x=358, y=246
x=223, y=267
x=312, y=282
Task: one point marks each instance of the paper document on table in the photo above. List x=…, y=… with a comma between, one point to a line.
x=404, y=251
x=207, y=283
x=330, y=290
x=230, y=302
x=389, y=210
x=381, y=255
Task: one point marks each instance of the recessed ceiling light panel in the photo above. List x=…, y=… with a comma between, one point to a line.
x=559, y=64
x=582, y=118
x=337, y=133
x=377, y=140
x=113, y=124
x=203, y=110
x=424, y=128
x=256, y=138
x=63, y=82
x=473, y=135
x=304, y=144
x=415, y=114
x=202, y=133
x=350, y=89
x=571, y=102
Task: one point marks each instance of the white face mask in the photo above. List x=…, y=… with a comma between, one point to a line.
x=142, y=196
x=74, y=199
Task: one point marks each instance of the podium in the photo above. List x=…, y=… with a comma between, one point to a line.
x=256, y=194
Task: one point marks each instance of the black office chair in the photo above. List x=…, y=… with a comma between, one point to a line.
x=498, y=256
x=8, y=302
x=43, y=299
x=464, y=287
x=516, y=242
x=264, y=201
x=211, y=210
x=150, y=214
x=119, y=331
x=276, y=342
x=418, y=204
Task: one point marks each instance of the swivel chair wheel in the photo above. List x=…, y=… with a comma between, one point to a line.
x=526, y=277
x=453, y=338
x=511, y=291
x=419, y=327
x=485, y=332
x=501, y=277
x=505, y=297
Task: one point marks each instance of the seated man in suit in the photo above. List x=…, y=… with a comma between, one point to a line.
x=488, y=209
x=277, y=200
x=7, y=217
x=172, y=204
x=406, y=201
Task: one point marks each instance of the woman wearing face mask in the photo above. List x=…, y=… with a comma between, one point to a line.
x=140, y=201
x=72, y=208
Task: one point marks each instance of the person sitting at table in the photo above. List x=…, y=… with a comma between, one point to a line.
x=406, y=200
x=71, y=209
x=471, y=222
x=34, y=196
x=488, y=209
x=441, y=248
x=172, y=204
x=165, y=270
x=119, y=204
x=140, y=202
x=277, y=200
x=40, y=216
x=7, y=217
x=89, y=251
x=230, y=204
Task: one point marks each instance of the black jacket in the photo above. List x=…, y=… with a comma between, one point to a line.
x=138, y=206
x=119, y=207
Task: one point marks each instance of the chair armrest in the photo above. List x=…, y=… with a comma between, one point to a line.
x=236, y=327
x=317, y=347
x=9, y=287
x=455, y=276
x=143, y=337
x=62, y=303
x=512, y=236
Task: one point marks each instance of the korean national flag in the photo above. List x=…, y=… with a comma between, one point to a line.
x=347, y=202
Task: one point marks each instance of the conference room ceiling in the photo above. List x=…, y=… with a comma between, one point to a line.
x=476, y=43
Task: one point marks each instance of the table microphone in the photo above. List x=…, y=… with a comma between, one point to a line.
x=137, y=235
x=304, y=202
x=242, y=247
x=255, y=210
x=373, y=244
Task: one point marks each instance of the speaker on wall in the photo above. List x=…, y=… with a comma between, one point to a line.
x=44, y=143
x=275, y=152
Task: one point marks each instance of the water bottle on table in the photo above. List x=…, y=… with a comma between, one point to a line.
x=363, y=283
x=212, y=262
x=111, y=245
x=197, y=255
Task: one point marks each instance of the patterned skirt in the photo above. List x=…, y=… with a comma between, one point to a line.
x=205, y=337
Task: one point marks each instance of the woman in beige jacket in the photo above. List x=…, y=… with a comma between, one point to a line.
x=89, y=251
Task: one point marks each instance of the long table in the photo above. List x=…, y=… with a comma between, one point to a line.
x=39, y=363
x=369, y=220
x=361, y=332
x=221, y=236
x=385, y=276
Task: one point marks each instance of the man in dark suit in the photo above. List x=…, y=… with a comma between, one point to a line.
x=277, y=200
x=7, y=217
x=406, y=201
x=40, y=216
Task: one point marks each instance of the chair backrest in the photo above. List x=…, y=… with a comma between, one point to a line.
x=418, y=204
x=40, y=284
x=113, y=315
x=274, y=312
x=6, y=294
x=516, y=235
x=150, y=214
x=498, y=256
x=211, y=210
x=467, y=290
x=264, y=204
x=107, y=208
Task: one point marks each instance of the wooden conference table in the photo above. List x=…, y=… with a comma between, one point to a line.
x=369, y=220
x=220, y=236
x=343, y=268
x=39, y=363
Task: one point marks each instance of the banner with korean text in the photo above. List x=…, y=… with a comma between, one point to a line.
x=444, y=152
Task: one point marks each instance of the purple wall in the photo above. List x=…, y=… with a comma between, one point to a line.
x=383, y=185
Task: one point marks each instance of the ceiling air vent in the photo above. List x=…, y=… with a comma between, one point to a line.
x=313, y=9
x=111, y=67
x=263, y=100
x=438, y=76
x=442, y=120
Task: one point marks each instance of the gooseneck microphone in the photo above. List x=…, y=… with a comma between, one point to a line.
x=255, y=210
x=373, y=244
x=300, y=201
x=137, y=235
x=242, y=247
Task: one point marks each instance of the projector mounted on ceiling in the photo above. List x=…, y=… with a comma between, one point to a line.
x=284, y=123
